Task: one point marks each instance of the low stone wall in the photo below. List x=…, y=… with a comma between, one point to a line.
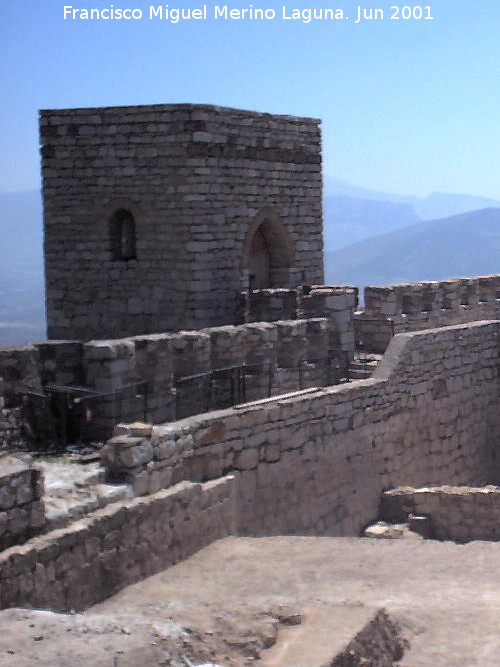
x=460, y=513
x=21, y=509
x=77, y=566
x=417, y=306
x=11, y=427
x=317, y=462
x=311, y=463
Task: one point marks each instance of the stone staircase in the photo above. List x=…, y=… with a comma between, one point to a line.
x=73, y=490
x=363, y=365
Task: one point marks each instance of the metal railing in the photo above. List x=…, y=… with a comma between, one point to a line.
x=224, y=387
x=59, y=415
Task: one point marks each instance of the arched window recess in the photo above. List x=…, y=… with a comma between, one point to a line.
x=123, y=235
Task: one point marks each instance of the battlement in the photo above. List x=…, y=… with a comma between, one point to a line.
x=74, y=391
x=314, y=463
x=424, y=305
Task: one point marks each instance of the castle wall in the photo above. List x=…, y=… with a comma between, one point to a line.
x=455, y=513
x=198, y=181
x=10, y=423
x=21, y=509
x=93, y=558
x=140, y=376
x=317, y=462
x=417, y=306
x=313, y=463
x=336, y=304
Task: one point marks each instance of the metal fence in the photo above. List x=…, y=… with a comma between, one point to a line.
x=58, y=416
x=224, y=387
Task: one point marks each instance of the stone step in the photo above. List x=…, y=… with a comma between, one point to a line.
x=362, y=367
x=359, y=374
x=73, y=490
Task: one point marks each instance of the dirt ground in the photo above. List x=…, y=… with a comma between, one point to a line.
x=283, y=601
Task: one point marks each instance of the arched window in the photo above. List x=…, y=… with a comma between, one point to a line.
x=123, y=235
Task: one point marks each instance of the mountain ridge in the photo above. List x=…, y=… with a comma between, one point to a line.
x=466, y=244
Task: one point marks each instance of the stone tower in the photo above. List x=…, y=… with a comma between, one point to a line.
x=156, y=217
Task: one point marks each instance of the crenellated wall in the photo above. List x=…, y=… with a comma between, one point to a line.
x=317, y=462
x=161, y=377
x=336, y=304
x=417, y=306
x=311, y=463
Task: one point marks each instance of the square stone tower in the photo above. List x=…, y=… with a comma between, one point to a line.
x=156, y=217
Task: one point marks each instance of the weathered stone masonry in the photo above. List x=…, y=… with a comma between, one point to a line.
x=461, y=513
x=21, y=509
x=199, y=182
x=410, y=307
x=310, y=464
x=274, y=357
x=77, y=566
x=164, y=218
x=317, y=463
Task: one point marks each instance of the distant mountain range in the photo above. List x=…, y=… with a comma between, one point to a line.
x=460, y=245
x=22, y=305
x=370, y=238
x=353, y=214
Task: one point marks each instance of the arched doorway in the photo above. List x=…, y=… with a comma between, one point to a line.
x=259, y=262
x=267, y=253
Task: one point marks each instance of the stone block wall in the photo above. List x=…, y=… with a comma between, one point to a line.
x=86, y=562
x=336, y=304
x=144, y=377
x=270, y=305
x=199, y=181
x=12, y=435
x=10, y=423
x=61, y=362
x=33, y=366
x=460, y=513
x=21, y=509
x=20, y=368
x=316, y=463
x=311, y=463
x=425, y=305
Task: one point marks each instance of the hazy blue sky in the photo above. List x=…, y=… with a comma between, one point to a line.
x=407, y=106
